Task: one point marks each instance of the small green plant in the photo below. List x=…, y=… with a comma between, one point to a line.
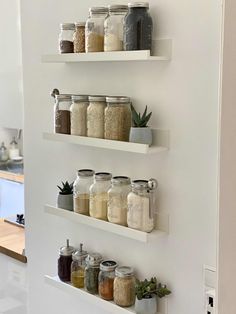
x=140, y=121
x=66, y=188
x=145, y=289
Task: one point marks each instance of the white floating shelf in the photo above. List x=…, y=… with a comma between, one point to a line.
x=106, y=226
x=160, y=142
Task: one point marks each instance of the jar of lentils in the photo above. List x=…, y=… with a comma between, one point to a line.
x=106, y=279
x=95, y=116
x=78, y=111
x=92, y=270
x=66, y=36
x=124, y=286
x=79, y=37
x=62, y=114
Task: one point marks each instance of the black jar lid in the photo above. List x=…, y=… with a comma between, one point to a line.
x=108, y=266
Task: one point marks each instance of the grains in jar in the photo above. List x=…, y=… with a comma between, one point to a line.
x=106, y=279
x=78, y=111
x=62, y=114
x=95, y=116
x=79, y=37
x=66, y=38
x=124, y=286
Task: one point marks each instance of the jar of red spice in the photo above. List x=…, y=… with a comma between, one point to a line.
x=106, y=279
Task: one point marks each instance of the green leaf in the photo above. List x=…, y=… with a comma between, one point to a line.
x=144, y=114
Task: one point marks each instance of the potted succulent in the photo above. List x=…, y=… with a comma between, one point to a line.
x=140, y=132
x=147, y=292
x=65, y=196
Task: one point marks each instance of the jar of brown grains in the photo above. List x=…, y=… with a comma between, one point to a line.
x=79, y=37
x=62, y=114
x=124, y=286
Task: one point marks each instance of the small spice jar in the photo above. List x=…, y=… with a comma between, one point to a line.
x=141, y=205
x=79, y=37
x=124, y=286
x=92, y=270
x=64, y=262
x=118, y=118
x=95, y=116
x=66, y=36
x=78, y=111
x=78, y=267
x=106, y=279
x=81, y=191
x=62, y=114
x=117, y=200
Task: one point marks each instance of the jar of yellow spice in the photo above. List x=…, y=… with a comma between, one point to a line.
x=78, y=267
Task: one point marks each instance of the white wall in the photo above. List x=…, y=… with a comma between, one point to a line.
x=183, y=95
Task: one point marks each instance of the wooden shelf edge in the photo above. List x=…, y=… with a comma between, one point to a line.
x=19, y=257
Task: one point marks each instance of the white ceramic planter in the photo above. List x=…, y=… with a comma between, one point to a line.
x=146, y=306
x=65, y=201
x=141, y=135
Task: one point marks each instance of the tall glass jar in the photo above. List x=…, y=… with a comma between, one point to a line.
x=78, y=267
x=94, y=29
x=117, y=200
x=92, y=269
x=81, y=191
x=99, y=195
x=138, y=27
x=66, y=38
x=113, y=39
x=106, y=279
x=124, y=286
x=95, y=116
x=62, y=114
x=118, y=118
x=79, y=37
x=141, y=205
x=64, y=262
x=78, y=111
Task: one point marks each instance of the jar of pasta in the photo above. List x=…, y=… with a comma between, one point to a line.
x=78, y=267
x=99, y=195
x=106, y=279
x=124, y=286
x=92, y=270
x=78, y=111
x=95, y=116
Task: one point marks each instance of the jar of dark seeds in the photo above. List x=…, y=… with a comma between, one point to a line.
x=62, y=114
x=92, y=269
x=66, y=38
x=79, y=37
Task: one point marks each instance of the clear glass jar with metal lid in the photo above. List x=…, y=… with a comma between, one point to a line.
x=79, y=37
x=124, y=286
x=95, y=116
x=117, y=200
x=81, y=191
x=113, y=39
x=118, y=118
x=106, y=279
x=62, y=114
x=78, y=267
x=141, y=205
x=64, y=262
x=78, y=111
x=92, y=270
x=94, y=29
x=138, y=27
x=66, y=44
x=99, y=195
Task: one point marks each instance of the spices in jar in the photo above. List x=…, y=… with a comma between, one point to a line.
x=124, y=286
x=95, y=116
x=62, y=114
x=79, y=37
x=106, y=279
x=92, y=270
x=118, y=118
x=64, y=262
x=66, y=44
x=78, y=111
x=78, y=267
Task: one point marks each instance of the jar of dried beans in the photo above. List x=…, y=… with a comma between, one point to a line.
x=64, y=262
x=92, y=270
x=124, y=286
x=66, y=38
x=118, y=118
x=78, y=267
x=62, y=114
x=106, y=279
x=95, y=116
x=78, y=111
x=79, y=37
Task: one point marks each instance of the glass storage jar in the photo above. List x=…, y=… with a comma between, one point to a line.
x=79, y=37
x=141, y=205
x=81, y=191
x=117, y=200
x=66, y=38
x=78, y=111
x=95, y=116
x=94, y=29
x=113, y=39
x=124, y=286
x=99, y=195
x=92, y=270
x=106, y=279
x=64, y=262
x=78, y=267
x=138, y=27
x=118, y=118
x=62, y=114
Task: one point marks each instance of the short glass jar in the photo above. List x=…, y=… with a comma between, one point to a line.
x=113, y=39
x=124, y=286
x=92, y=270
x=99, y=195
x=81, y=191
x=138, y=27
x=118, y=118
x=117, y=200
x=78, y=111
x=95, y=116
x=64, y=262
x=78, y=267
x=62, y=114
x=79, y=37
x=94, y=29
x=66, y=38
x=106, y=279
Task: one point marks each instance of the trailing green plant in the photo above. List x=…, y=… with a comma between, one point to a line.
x=66, y=188
x=147, y=288
x=140, y=121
